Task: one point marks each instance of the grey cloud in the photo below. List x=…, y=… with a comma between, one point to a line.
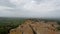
x=6, y=3
x=19, y=11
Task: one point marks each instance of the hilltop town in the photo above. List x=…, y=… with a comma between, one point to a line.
x=36, y=27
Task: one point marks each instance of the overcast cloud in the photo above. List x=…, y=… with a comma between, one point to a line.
x=30, y=8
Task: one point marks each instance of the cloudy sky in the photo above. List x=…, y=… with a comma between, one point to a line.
x=30, y=8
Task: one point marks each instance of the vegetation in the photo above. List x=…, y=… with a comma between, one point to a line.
x=9, y=23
